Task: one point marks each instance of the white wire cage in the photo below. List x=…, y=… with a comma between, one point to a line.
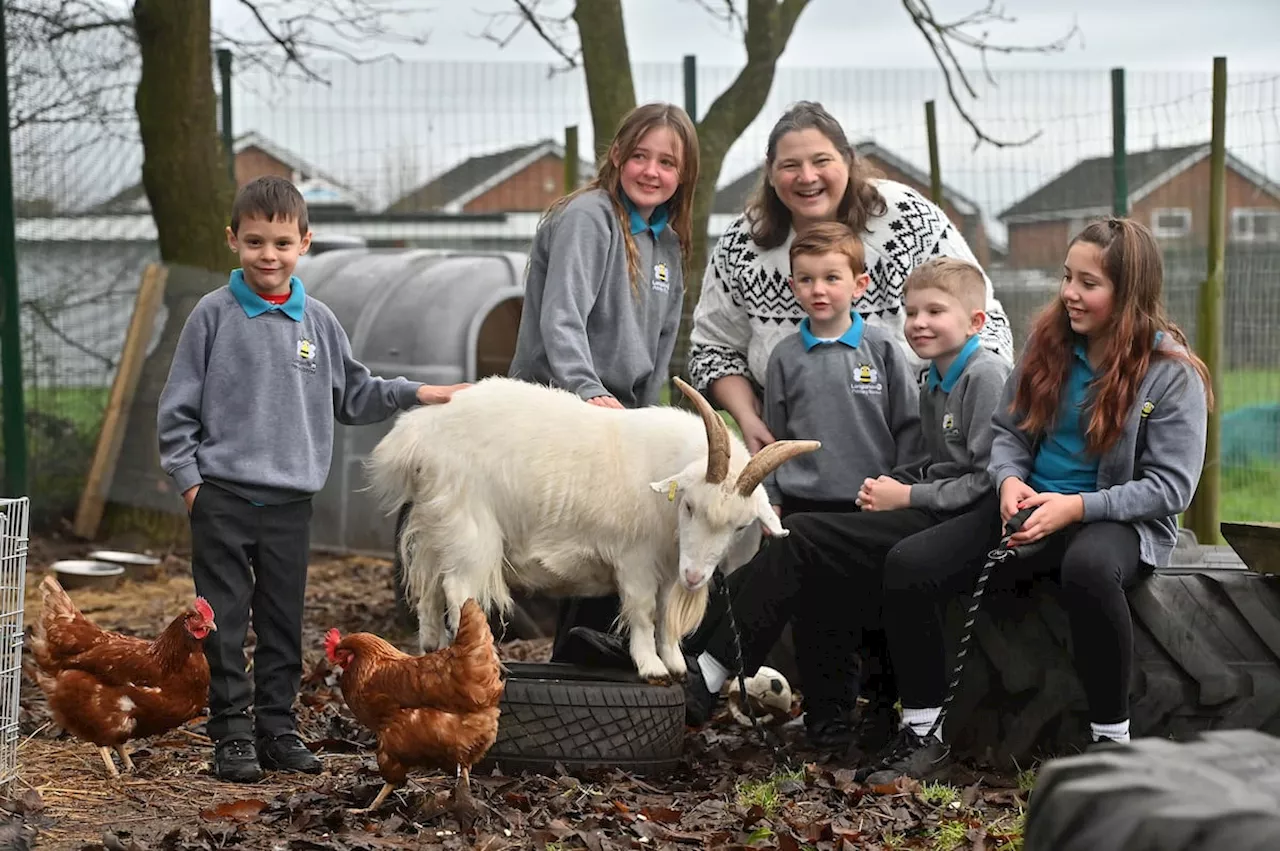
x=13, y=575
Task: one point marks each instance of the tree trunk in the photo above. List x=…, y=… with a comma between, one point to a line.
x=185, y=176
x=769, y=26
x=606, y=64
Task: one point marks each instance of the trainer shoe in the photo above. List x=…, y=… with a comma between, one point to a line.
x=286, y=752
x=908, y=755
x=236, y=761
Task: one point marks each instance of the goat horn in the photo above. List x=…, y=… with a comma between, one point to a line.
x=769, y=459
x=717, y=434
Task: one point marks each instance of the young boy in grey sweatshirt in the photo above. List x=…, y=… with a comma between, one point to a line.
x=245, y=425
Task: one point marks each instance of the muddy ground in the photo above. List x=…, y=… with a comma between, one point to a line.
x=731, y=791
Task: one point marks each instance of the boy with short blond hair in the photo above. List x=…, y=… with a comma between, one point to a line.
x=245, y=426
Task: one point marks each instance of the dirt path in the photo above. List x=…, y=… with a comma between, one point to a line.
x=729, y=793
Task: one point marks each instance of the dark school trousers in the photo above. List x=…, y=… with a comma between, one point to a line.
x=250, y=563
x=1094, y=563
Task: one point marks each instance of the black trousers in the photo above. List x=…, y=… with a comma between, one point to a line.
x=825, y=579
x=250, y=563
x=1094, y=563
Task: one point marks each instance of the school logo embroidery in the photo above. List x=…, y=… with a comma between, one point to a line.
x=1147, y=407
x=661, y=279
x=948, y=421
x=306, y=349
x=866, y=379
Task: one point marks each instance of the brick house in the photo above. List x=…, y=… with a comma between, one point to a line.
x=256, y=156
x=1168, y=192
x=524, y=179
x=964, y=213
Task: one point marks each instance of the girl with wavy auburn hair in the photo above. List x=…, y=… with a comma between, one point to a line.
x=1102, y=432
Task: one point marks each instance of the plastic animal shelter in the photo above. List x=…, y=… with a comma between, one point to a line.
x=435, y=316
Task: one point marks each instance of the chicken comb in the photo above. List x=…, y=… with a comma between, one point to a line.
x=331, y=639
x=204, y=609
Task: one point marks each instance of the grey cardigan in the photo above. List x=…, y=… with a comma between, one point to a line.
x=1149, y=476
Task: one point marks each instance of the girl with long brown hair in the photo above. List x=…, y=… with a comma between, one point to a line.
x=1101, y=429
x=604, y=289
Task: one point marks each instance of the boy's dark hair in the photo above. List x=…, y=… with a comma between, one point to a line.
x=953, y=276
x=831, y=238
x=272, y=198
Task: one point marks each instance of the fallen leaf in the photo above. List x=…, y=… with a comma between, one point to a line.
x=666, y=815
x=244, y=810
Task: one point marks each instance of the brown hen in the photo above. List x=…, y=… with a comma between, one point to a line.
x=437, y=710
x=108, y=688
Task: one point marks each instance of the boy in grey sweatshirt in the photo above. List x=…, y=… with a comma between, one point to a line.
x=245, y=426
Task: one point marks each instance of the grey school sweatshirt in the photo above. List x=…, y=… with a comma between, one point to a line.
x=1149, y=476
x=857, y=395
x=955, y=417
x=584, y=327
x=253, y=390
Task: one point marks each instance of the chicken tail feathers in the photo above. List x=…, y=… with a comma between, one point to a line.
x=55, y=600
x=473, y=628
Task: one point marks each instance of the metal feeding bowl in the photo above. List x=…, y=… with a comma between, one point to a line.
x=86, y=573
x=124, y=558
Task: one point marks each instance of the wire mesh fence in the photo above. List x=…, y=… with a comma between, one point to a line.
x=14, y=531
x=466, y=156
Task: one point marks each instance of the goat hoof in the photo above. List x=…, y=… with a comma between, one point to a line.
x=658, y=681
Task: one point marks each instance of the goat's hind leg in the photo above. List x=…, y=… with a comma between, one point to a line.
x=668, y=641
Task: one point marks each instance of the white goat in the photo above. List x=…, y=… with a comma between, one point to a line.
x=515, y=484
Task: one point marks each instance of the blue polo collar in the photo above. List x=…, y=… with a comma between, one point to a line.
x=851, y=338
x=946, y=382
x=657, y=222
x=255, y=305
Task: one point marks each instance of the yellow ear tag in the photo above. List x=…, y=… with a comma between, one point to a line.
x=671, y=493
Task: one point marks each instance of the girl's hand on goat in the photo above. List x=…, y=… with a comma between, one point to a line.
x=1014, y=493
x=884, y=494
x=1053, y=511
x=605, y=402
x=438, y=394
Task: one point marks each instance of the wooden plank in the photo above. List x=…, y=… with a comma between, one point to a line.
x=93, y=499
x=1258, y=544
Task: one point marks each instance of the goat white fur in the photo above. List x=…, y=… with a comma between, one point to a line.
x=517, y=485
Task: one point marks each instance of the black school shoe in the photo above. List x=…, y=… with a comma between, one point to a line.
x=908, y=755
x=236, y=761
x=591, y=648
x=286, y=752
x=876, y=728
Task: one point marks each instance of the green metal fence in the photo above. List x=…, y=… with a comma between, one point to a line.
x=462, y=155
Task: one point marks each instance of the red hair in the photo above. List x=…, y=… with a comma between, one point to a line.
x=1132, y=261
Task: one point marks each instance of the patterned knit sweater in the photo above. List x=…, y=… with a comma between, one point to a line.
x=747, y=306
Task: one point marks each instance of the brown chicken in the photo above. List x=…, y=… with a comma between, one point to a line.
x=108, y=688
x=438, y=710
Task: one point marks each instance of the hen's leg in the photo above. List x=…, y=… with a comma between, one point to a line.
x=124, y=758
x=106, y=758
x=387, y=789
x=464, y=806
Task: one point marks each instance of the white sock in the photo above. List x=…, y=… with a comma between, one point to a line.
x=714, y=674
x=920, y=720
x=1117, y=732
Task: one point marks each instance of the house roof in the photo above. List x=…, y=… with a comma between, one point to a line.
x=1086, y=187
x=316, y=185
x=732, y=198
x=472, y=177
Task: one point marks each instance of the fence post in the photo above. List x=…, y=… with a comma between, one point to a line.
x=935, y=167
x=1119, y=169
x=15, y=432
x=691, y=86
x=228, y=139
x=1203, y=515
x=570, y=158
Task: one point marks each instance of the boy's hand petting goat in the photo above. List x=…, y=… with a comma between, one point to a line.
x=514, y=484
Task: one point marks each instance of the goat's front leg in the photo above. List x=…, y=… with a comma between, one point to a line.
x=638, y=592
x=668, y=642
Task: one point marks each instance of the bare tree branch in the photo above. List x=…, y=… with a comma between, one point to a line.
x=942, y=35
x=725, y=11
x=552, y=29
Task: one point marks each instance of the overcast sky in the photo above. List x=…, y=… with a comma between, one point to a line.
x=1139, y=34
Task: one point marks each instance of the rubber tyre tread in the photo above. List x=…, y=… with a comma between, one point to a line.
x=1218, y=790
x=1206, y=656
x=557, y=715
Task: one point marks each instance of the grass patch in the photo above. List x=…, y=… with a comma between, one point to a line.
x=949, y=835
x=1244, y=387
x=939, y=794
x=766, y=793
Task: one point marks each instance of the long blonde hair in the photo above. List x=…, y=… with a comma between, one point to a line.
x=633, y=127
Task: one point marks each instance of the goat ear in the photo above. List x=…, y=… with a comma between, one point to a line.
x=669, y=486
x=767, y=516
